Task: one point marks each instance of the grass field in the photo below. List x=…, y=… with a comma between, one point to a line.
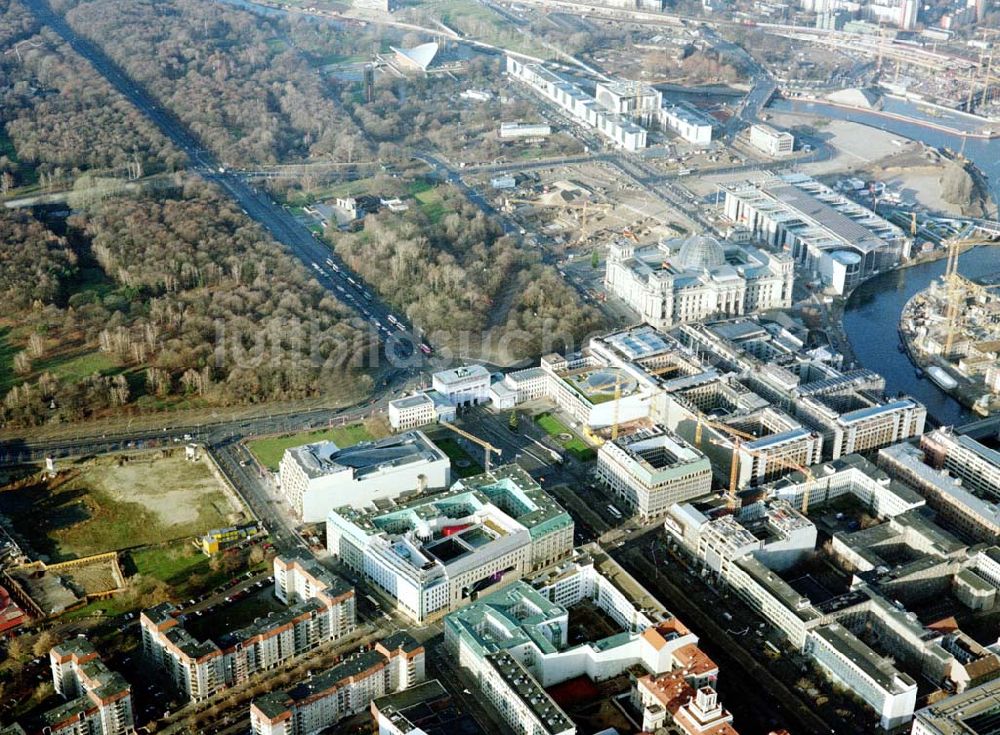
x=270, y=450
x=99, y=505
x=180, y=565
x=76, y=366
x=462, y=463
x=574, y=445
x=429, y=200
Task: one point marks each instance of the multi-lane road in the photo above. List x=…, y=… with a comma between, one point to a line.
x=295, y=236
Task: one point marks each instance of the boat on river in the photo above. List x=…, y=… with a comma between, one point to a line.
x=940, y=376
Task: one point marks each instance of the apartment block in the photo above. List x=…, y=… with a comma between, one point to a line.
x=99, y=701
x=394, y=664
x=321, y=607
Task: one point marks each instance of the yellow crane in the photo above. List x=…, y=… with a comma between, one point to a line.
x=617, y=406
x=956, y=286
x=487, y=447
x=737, y=437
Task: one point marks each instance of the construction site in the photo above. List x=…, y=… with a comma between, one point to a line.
x=951, y=331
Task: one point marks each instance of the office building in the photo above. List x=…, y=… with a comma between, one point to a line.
x=411, y=412
x=321, y=608
x=394, y=664
x=463, y=386
x=697, y=278
x=317, y=477
x=435, y=553
x=633, y=99
x=960, y=714
x=690, y=123
x=619, y=129
x=773, y=142
x=865, y=428
x=837, y=240
x=890, y=692
x=98, y=700
x=851, y=474
x=519, y=387
x=771, y=531
x=651, y=470
x=974, y=515
x=426, y=709
x=977, y=465
x=515, y=642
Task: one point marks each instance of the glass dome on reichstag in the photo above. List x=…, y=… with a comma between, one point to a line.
x=701, y=252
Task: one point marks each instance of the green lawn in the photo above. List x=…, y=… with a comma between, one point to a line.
x=481, y=23
x=108, y=607
x=431, y=204
x=24, y=176
x=171, y=563
x=462, y=463
x=269, y=451
x=75, y=367
x=574, y=445
x=93, y=280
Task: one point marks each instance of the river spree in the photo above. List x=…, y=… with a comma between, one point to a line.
x=871, y=323
x=871, y=319
x=985, y=154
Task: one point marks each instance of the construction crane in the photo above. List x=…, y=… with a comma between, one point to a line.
x=617, y=406
x=487, y=447
x=956, y=286
x=737, y=438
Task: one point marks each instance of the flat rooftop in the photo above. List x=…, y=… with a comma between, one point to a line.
x=880, y=669
x=524, y=686
x=419, y=399
x=275, y=703
x=464, y=374
x=975, y=711
x=326, y=458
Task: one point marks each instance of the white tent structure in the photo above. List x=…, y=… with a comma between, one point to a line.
x=419, y=57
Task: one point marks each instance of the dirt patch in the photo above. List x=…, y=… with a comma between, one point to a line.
x=116, y=502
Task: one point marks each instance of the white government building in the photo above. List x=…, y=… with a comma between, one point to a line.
x=315, y=478
x=688, y=122
x=839, y=241
x=436, y=553
x=622, y=131
x=651, y=470
x=698, y=278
